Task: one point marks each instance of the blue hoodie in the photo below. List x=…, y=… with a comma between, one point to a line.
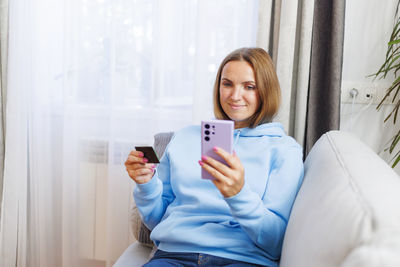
x=188, y=214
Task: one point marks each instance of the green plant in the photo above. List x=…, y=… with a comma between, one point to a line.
x=392, y=65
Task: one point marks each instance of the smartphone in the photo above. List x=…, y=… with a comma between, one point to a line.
x=215, y=133
x=149, y=153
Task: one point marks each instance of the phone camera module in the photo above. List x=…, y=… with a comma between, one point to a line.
x=207, y=132
x=207, y=138
x=207, y=126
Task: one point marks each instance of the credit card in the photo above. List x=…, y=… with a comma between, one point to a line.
x=149, y=153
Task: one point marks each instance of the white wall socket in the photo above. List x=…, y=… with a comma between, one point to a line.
x=367, y=93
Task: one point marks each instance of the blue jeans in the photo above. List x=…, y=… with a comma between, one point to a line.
x=163, y=258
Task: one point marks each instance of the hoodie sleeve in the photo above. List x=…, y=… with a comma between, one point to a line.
x=152, y=198
x=265, y=219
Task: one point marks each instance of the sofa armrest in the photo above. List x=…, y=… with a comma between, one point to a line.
x=134, y=256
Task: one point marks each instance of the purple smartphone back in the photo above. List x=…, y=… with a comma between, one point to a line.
x=215, y=133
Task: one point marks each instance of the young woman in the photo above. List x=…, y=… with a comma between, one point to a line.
x=240, y=217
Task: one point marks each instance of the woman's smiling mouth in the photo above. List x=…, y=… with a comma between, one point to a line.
x=236, y=106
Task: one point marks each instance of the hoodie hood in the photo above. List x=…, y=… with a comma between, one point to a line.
x=272, y=129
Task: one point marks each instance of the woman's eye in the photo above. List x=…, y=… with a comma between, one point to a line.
x=250, y=87
x=226, y=84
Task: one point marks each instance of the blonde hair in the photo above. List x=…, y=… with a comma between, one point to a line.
x=267, y=84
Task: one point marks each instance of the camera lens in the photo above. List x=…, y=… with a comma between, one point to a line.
x=207, y=126
x=207, y=132
x=207, y=138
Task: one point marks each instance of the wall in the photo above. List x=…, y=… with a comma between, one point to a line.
x=367, y=29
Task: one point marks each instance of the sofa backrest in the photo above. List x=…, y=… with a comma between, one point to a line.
x=347, y=212
x=161, y=140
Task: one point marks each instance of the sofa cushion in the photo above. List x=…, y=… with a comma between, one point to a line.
x=347, y=210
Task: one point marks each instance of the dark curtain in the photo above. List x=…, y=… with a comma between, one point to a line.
x=323, y=106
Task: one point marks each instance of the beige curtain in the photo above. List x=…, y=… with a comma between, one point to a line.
x=289, y=29
x=3, y=84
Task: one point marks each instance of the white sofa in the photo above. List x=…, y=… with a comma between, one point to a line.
x=347, y=212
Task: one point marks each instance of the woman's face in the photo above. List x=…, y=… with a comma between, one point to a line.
x=238, y=94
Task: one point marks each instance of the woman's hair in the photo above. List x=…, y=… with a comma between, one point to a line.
x=267, y=84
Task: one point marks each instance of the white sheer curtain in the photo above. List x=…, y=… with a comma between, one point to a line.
x=3, y=84
x=87, y=81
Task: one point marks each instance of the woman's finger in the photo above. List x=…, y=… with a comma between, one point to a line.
x=135, y=159
x=231, y=160
x=136, y=166
x=219, y=166
x=136, y=153
x=223, y=183
x=143, y=171
x=214, y=172
x=140, y=175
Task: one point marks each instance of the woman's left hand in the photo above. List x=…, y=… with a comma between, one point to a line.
x=229, y=179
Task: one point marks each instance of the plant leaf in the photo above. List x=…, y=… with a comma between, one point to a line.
x=391, y=64
x=397, y=157
x=394, y=142
x=394, y=42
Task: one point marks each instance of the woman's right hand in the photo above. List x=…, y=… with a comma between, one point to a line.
x=137, y=167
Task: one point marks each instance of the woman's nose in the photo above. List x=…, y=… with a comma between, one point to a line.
x=236, y=93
